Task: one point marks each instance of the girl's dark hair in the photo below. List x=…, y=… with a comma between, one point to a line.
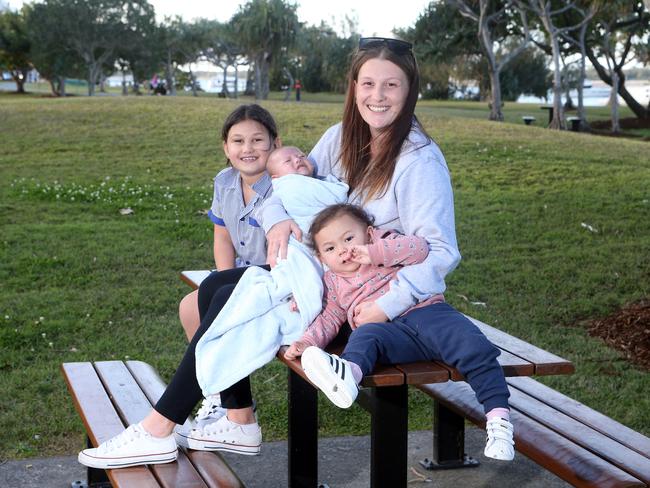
x=371, y=178
x=328, y=214
x=250, y=112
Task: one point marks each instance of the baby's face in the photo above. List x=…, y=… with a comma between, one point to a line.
x=289, y=160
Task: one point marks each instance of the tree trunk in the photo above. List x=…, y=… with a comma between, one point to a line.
x=53, y=89
x=616, y=127
x=193, y=83
x=584, y=125
x=136, y=86
x=224, y=86
x=62, y=86
x=169, y=75
x=19, y=79
x=558, y=113
x=92, y=78
x=125, y=90
x=250, y=82
x=495, y=104
x=495, y=84
x=236, y=80
x=102, y=83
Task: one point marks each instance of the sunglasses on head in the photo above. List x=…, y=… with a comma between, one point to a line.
x=396, y=45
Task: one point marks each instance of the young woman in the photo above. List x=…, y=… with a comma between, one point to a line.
x=400, y=177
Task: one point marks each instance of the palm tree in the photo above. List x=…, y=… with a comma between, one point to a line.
x=264, y=28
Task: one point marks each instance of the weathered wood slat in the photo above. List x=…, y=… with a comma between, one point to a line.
x=194, y=277
x=545, y=362
x=596, y=420
x=210, y=465
x=560, y=455
x=582, y=435
x=133, y=406
x=101, y=420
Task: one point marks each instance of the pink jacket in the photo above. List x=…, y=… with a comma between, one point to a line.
x=389, y=251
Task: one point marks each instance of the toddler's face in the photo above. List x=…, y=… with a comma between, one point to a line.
x=289, y=160
x=335, y=240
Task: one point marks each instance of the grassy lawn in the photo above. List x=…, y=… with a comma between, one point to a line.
x=79, y=281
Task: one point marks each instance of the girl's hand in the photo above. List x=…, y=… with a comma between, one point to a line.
x=367, y=313
x=295, y=350
x=277, y=240
x=360, y=254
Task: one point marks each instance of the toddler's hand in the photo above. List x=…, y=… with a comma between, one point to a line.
x=295, y=350
x=293, y=306
x=360, y=254
x=369, y=312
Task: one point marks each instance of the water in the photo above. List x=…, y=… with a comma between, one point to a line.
x=597, y=95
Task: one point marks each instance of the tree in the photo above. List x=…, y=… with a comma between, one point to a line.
x=264, y=28
x=139, y=51
x=548, y=13
x=489, y=16
x=526, y=75
x=15, y=47
x=620, y=28
x=96, y=29
x=221, y=49
x=50, y=54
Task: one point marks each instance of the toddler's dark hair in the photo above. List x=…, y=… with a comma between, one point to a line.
x=250, y=112
x=332, y=212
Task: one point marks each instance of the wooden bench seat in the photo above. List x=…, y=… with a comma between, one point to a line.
x=578, y=444
x=110, y=395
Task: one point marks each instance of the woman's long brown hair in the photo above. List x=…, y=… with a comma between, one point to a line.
x=365, y=176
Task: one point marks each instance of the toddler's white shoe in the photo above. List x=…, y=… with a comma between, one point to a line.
x=224, y=435
x=132, y=447
x=500, y=442
x=331, y=374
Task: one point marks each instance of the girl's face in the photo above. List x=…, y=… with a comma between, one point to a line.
x=381, y=90
x=247, y=147
x=335, y=240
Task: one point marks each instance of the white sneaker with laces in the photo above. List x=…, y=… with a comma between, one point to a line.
x=132, y=447
x=224, y=435
x=332, y=375
x=500, y=440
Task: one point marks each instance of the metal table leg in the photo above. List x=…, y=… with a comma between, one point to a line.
x=389, y=436
x=303, y=433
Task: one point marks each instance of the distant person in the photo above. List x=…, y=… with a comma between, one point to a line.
x=298, y=87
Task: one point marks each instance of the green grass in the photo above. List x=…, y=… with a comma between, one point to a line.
x=79, y=281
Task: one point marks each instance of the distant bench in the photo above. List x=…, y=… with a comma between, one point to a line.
x=385, y=397
x=110, y=395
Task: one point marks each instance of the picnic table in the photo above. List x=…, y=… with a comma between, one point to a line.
x=385, y=396
x=550, y=111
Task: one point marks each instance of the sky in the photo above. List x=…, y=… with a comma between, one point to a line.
x=375, y=17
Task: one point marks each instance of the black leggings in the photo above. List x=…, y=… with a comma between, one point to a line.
x=183, y=391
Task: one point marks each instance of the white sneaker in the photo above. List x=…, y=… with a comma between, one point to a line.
x=224, y=435
x=500, y=443
x=132, y=447
x=332, y=375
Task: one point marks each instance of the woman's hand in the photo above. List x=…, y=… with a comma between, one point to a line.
x=295, y=350
x=277, y=240
x=367, y=313
x=360, y=254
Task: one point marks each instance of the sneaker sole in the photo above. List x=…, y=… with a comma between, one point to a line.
x=319, y=372
x=209, y=445
x=124, y=462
